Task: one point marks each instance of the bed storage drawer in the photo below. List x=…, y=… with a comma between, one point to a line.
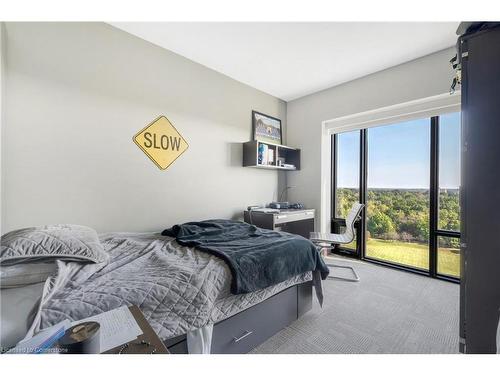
x=263, y=320
x=244, y=331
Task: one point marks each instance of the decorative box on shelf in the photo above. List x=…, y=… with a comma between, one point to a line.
x=258, y=154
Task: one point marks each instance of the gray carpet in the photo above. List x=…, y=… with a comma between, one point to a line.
x=388, y=311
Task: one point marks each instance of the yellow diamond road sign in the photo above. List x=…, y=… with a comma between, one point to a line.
x=161, y=142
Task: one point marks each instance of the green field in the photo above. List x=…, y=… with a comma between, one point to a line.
x=412, y=254
x=397, y=226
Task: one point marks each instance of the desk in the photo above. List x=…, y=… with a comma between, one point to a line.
x=299, y=222
x=148, y=334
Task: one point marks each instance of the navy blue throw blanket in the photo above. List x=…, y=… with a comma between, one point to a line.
x=257, y=258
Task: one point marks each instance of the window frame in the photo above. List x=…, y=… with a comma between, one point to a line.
x=336, y=222
x=434, y=232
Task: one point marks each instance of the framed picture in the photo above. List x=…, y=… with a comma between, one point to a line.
x=266, y=128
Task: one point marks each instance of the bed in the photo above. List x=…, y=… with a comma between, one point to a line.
x=184, y=293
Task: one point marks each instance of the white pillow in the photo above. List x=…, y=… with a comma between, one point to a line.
x=52, y=242
x=25, y=274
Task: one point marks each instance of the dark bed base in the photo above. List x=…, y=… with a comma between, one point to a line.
x=231, y=336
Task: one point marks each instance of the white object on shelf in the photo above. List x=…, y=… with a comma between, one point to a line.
x=265, y=155
x=270, y=159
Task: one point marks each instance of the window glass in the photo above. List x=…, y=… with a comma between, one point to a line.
x=347, y=172
x=448, y=256
x=449, y=172
x=398, y=193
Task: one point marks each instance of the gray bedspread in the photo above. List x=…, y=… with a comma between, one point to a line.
x=178, y=289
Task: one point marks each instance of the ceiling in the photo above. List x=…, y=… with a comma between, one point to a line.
x=291, y=60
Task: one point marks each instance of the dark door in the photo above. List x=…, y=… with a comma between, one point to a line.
x=480, y=292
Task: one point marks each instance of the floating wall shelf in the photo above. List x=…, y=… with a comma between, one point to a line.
x=288, y=155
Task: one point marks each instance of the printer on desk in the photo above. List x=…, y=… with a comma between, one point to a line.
x=286, y=206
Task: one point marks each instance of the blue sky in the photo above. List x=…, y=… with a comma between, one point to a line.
x=398, y=155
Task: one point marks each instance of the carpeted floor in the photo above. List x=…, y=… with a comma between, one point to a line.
x=388, y=311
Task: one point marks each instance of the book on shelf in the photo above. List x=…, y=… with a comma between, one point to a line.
x=262, y=155
x=270, y=157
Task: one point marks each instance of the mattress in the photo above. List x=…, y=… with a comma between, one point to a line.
x=178, y=289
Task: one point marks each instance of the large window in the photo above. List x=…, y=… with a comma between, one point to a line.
x=397, y=214
x=407, y=175
x=449, y=172
x=347, y=171
x=346, y=162
x=448, y=223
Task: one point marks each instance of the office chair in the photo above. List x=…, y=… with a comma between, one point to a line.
x=330, y=240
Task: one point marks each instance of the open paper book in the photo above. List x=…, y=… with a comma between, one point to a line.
x=118, y=327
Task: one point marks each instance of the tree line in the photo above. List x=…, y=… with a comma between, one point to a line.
x=403, y=214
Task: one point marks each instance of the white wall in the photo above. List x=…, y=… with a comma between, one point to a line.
x=75, y=95
x=421, y=78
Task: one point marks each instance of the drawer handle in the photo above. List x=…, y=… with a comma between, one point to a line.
x=246, y=334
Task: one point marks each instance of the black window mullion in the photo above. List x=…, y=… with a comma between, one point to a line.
x=434, y=196
x=334, y=159
x=447, y=233
x=363, y=186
